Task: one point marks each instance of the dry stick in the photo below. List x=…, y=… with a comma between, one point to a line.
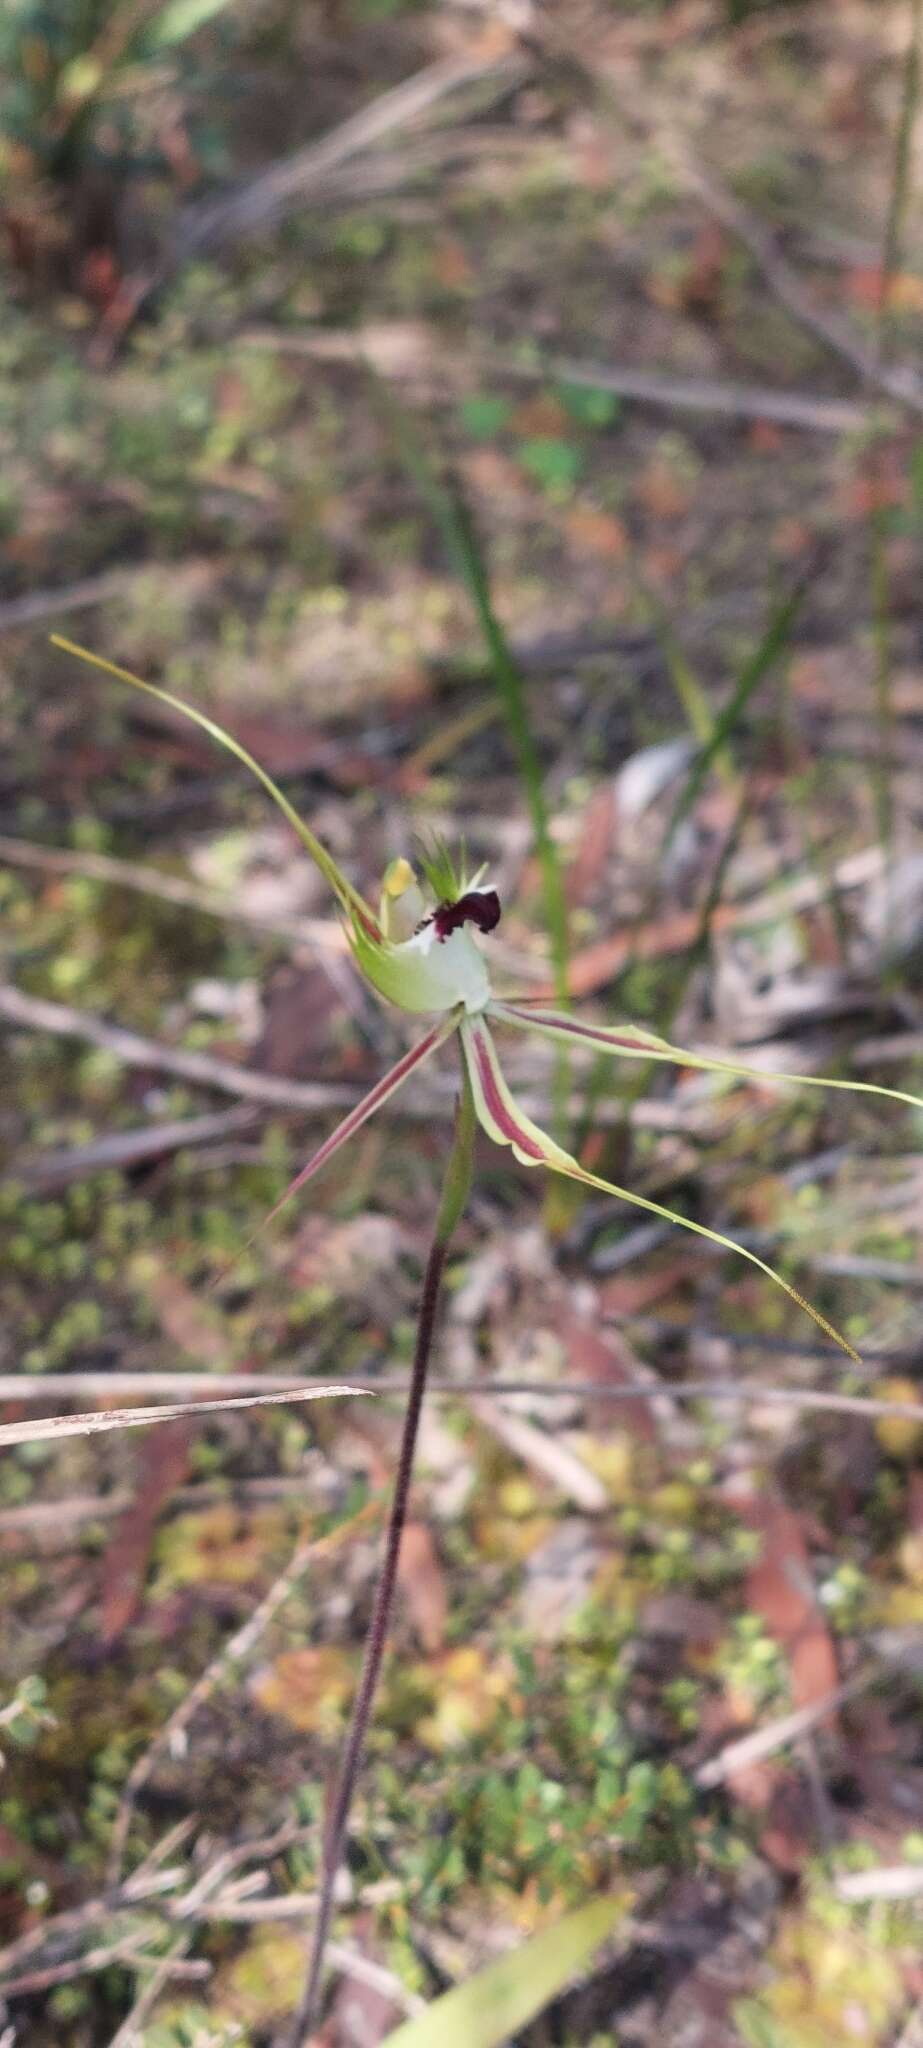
x=204, y=1070
x=650, y=387
x=43, y=1171
x=72, y=597
x=129, y=2034
x=151, y=881
x=284, y=1387
x=901, y=383
x=35, y=1013
x=173, y=1732
x=124, y=1952
x=454, y=1196
x=269, y=197
x=146, y=1889
x=751, y=1749
x=700, y=394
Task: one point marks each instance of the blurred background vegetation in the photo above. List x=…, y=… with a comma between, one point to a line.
x=507, y=419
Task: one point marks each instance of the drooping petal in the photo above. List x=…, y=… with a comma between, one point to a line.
x=629, y=1041
x=346, y=895
x=502, y=1119
x=374, y=1100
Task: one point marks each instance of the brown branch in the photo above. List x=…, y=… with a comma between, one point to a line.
x=21, y=1388
x=900, y=383
x=151, y=881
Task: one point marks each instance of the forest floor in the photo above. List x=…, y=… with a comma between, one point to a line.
x=623, y=269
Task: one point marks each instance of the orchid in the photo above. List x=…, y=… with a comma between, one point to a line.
x=420, y=952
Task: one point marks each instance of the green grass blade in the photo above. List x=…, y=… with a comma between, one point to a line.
x=462, y=546
x=503, y=1998
x=771, y=645
x=347, y=896
x=697, y=710
x=179, y=19
x=901, y=169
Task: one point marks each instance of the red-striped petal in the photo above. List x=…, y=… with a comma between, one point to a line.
x=631, y=1042
x=498, y=1112
x=374, y=1100
x=504, y=1121
x=626, y=1038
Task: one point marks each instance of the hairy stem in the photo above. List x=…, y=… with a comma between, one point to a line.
x=454, y=1195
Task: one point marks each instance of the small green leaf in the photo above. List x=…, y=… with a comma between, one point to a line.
x=556, y=465
x=590, y=406
x=501, y=1999
x=915, y=466
x=179, y=19
x=484, y=416
x=757, y=2028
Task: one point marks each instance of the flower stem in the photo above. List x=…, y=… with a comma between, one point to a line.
x=454, y=1196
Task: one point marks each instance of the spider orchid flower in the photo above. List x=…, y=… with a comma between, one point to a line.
x=419, y=952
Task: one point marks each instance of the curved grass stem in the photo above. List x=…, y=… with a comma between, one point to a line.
x=454, y=1196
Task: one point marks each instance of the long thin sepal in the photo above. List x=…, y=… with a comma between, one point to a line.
x=503, y=1120
x=629, y=1041
x=374, y=1100
x=346, y=895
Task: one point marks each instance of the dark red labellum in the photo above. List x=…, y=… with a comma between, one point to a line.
x=480, y=907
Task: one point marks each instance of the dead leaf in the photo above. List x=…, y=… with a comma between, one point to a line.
x=423, y=1585
x=541, y=416
x=183, y=1315
x=780, y=1590
x=596, y=532
x=765, y=437
x=451, y=264
x=594, y=845
x=597, y=965
x=663, y=493
x=629, y=1294
x=773, y=1791
x=607, y=1359
x=495, y=477
x=867, y=284
x=162, y=1466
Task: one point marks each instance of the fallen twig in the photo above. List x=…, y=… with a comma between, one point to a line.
x=125, y=1952
x=14, y=1387
x=120, y=1149
x=204, y=1070
x=275, y=192
x=92, y=1424
x=267, y=198
x=151, y=881
x=411, y=352
x=35, y=1013
x=702, y=394
x=546, y=1454
x=71, y=597
x=751, y=1749
x=899, y=382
